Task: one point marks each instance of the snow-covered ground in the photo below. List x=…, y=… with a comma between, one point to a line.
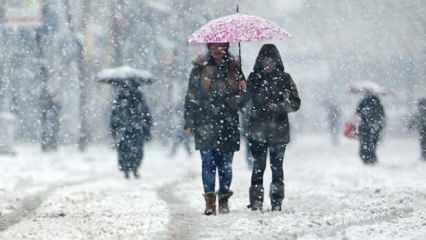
x=329, y=195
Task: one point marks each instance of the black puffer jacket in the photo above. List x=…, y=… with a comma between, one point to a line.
x=271, y=96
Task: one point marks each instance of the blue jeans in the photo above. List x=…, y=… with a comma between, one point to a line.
x=212, y=161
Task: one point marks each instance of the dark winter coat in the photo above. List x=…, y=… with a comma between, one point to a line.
x=212, y=103
x=372, y=114
x=131, y=123
x=271, y=96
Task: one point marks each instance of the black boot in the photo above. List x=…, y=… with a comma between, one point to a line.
x=276, y=207
x=256, y=195
x=277, y=196
x=223, y=202
x=210, y=198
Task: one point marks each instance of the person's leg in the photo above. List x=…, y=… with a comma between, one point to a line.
x=277, y=186
x=174, y=148
x=224, y=164
x=123, y=157
x=256, y=192
x=259, y=153
x=365, y=145
x=208, y=170
x=374, y=141
x=139, y=154
x=209, y=178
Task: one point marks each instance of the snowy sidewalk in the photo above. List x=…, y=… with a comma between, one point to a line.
x=329, y=195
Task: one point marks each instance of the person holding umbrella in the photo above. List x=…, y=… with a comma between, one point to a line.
x=131, y=120
x=372, y=122
x=273, y=94
x=211, y=114
x=212, y=101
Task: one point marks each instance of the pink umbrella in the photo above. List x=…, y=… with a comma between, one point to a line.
x=238, y=28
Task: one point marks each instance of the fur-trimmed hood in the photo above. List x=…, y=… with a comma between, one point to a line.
x=206, y=59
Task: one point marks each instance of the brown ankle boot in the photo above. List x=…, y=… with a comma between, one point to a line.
x=223, y=202
x=210, y=198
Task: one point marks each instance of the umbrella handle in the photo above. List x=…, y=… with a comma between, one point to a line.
x=239, y=43
x=239, y=55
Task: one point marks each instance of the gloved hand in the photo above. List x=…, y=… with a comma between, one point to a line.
x=188, y=131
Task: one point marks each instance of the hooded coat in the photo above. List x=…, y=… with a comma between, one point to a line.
x=271, y=96
x=212, y=103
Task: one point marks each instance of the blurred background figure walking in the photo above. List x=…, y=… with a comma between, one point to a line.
x=373, y=119
x=180, y=138
x=334, y=120
x=418, y=122
x=131, y=123
x=131, y=119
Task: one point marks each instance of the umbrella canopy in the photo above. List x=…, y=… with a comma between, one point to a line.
x=367, y=87
x=238, y=28
x=124, y=73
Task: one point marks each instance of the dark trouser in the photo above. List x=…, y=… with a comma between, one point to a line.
x=368, y=140
x=212, y=161
x=259, y=151
x=130, y=151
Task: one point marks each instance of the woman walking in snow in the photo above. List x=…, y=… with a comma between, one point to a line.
x=272, y=94
x=211, y=115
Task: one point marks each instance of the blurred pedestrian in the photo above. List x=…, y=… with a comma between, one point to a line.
x=419, y=123
x=334, y=121
x=131, y=123
x=180, y=136
x=372, y=122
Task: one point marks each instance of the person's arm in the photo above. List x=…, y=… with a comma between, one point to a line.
x=235, y=98
x=247, y=93
x=291, y=102
x=191, y=101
